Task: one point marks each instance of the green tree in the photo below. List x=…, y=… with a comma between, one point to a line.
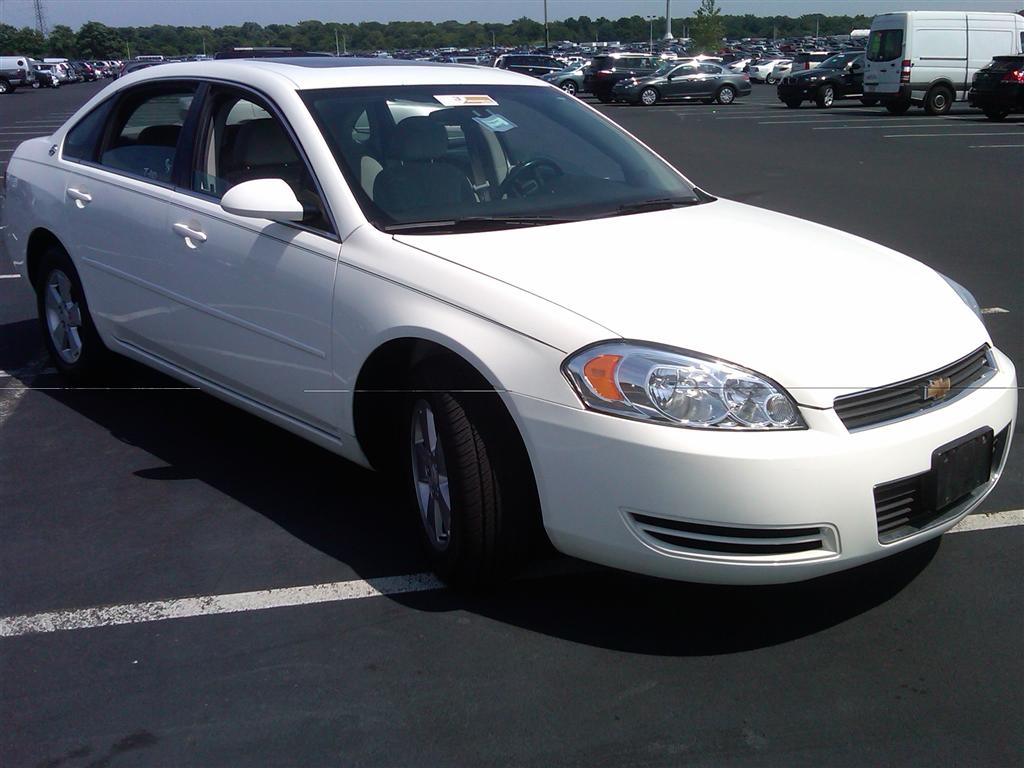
x=707, y=28
x=25, y=41
x=61, y=42
x=98, y=41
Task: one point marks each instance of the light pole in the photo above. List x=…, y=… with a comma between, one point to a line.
x=547, y=39
x=650, y=43
x=668, y=19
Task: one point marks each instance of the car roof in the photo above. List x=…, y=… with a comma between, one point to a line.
x=300, y=73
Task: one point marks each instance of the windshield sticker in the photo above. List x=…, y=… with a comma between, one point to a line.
x=497, y=123
x=466, y=100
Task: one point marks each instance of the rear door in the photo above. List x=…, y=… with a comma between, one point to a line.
x=884, y=55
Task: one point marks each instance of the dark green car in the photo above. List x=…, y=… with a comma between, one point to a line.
x=684, y=80
x=569, y=79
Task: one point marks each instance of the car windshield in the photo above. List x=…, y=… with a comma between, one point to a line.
x=422, y=158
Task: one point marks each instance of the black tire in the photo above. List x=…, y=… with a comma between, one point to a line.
x=604, y=98
x=569, y=86
x=770, y=80
x=726, y=95
x=93, y=357
x=825, y=97
x=898, y=107
x=649, y=97
x=996, y=114
x=869, y=101
x=939, y=100
x=793, y=103
x=5, y=87
x=492, y=499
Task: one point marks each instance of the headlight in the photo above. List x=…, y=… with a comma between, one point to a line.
x=684, y=389
x=964, y=294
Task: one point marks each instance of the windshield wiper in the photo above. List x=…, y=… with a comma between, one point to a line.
x=477, y=223
x=655, y=204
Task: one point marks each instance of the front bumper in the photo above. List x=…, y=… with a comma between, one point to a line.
x=599, y=475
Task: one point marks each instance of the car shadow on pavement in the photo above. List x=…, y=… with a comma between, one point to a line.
x=357, y=517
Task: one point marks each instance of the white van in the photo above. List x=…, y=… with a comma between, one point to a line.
x=928, y=58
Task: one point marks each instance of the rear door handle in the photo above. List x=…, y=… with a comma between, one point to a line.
x=192, y=236
x=81, y=198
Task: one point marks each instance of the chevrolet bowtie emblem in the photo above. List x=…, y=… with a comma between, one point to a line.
x=936, y=388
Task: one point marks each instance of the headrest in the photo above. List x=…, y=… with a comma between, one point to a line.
x=419, y=138
x=263, y=142
x=159, y=135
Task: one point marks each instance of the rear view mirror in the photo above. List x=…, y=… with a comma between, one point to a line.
x=263, y=199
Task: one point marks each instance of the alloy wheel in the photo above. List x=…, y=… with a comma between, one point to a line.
x=430, y=476
x=649, y=96
x=63, y=317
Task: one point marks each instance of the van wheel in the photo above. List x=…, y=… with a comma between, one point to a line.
x=939, y=100
x=898, y=107
x=996, y=114
x=68, y=331
x=466, y=479
x=826, y=96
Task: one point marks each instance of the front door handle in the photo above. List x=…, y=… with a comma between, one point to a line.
x=81, y=198
x=192, y=236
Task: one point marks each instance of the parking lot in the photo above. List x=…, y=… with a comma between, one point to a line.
x=184, y=584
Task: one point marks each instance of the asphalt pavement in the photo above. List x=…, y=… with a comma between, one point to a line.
x=152, y=493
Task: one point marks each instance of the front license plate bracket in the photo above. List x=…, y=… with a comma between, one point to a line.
x=959, y=468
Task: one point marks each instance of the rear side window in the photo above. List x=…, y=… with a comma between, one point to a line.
x=885, y=45
x=710, y=69
x=143, y=137
x=80, y=142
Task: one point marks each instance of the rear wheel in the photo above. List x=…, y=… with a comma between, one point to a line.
x=868, y=101
x=994, y=113
x=793, y=103
x=648, y=97
x=68, y=331
x=35, y=84
x=604, y=98
x=826, y=96
x=5, y=87
x=939, y=100
x=771, y=80
x=467, y=479
x=898, y=107
x=726, y=95
x=569, y=86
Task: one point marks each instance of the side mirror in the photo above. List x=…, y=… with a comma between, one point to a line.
x=263, y=199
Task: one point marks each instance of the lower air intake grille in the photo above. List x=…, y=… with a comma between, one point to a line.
x=733, y=541
x=906, y=398
x=903, y=508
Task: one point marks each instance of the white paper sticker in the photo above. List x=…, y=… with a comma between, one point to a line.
x=466, y=100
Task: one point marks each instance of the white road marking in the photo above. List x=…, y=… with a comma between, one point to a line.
x=855, y=127
x=210, y=605
x=995, y=310
x=11, y=396
x=993, y=146
x=9, y=277
x=357, y=589
x=984, y=522
x=929, y=135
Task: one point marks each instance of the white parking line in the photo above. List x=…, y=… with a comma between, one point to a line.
x=930, y=135
x=995, y=310
x=862, y=127
x=357, y=589
x=9, y=277
x=993, y=146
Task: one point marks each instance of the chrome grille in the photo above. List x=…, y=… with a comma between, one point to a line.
x=874, y=407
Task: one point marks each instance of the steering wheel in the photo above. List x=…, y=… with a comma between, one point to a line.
x=526, y=179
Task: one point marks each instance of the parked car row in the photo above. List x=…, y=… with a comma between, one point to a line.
x=19, y=71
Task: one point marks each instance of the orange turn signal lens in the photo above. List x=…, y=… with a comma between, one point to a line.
x=600, y=375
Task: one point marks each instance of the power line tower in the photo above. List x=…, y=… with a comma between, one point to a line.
x=40, y=17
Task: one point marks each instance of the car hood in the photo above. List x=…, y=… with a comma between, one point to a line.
x=822, y=312
x=812, y=74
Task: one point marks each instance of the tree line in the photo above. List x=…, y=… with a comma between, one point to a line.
x=100, y=41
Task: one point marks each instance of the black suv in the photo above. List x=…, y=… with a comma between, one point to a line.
x=609, y=69
x=838, y=77
x=533, y=64
x=998, y=89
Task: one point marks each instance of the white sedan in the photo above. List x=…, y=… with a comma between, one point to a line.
x=427, y=269
x=765, y=70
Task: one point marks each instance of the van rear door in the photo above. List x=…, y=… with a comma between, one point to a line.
x=885, y=54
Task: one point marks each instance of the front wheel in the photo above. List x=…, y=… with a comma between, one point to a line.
x=826, y=97
x=726, y=95
x=648, y=97
x=68, y=331
x=569, y=86
x=466, y=477
x=793, y=103
x=771, y=80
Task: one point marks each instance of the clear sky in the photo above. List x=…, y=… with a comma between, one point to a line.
x=220, y=12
